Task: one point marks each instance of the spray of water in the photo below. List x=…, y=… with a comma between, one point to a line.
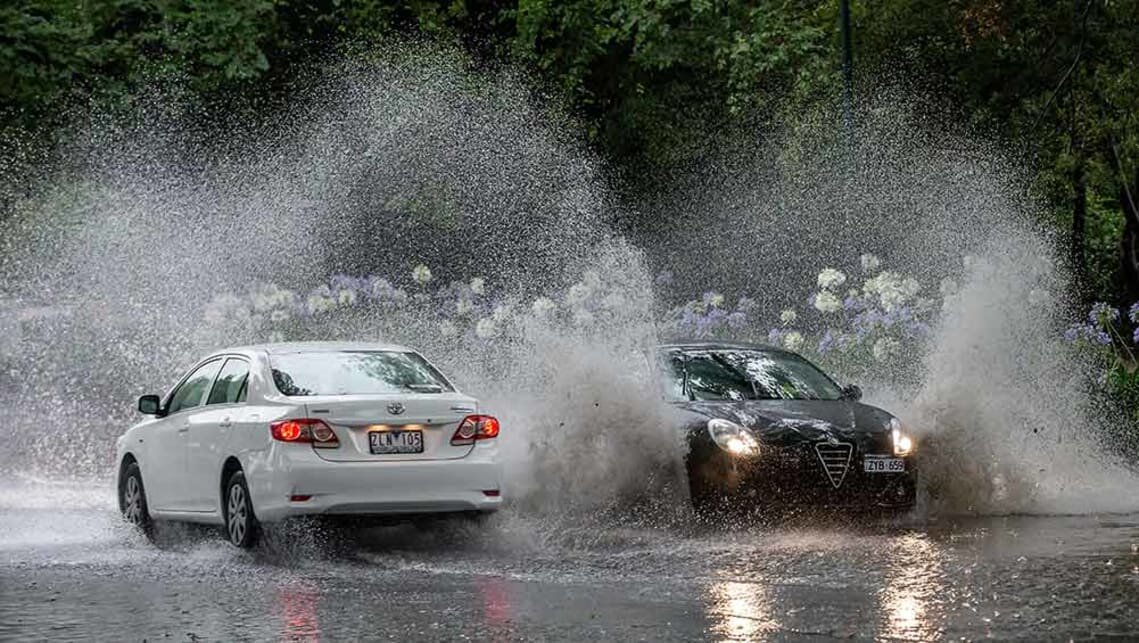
x=114, y=268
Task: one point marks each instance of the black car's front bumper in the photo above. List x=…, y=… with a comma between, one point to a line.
x=795, y=476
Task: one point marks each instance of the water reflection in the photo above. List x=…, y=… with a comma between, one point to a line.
x=495, y=599
x=909, y=599
x=741, y=610
x=296, y=605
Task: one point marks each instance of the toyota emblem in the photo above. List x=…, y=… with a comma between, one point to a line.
x=395, y=408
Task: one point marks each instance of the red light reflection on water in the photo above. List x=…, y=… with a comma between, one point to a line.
x=296, y=606
x=495, y=594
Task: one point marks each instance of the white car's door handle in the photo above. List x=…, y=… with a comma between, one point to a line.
x=184, y=429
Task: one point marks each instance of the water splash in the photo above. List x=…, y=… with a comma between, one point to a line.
x=410, y=159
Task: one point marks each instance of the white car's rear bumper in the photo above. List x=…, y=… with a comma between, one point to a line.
x=293, y=471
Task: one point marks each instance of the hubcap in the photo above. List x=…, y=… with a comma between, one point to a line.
x=237, y=514
x=132, y=501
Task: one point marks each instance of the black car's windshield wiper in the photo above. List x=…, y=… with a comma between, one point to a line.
x=741, y=374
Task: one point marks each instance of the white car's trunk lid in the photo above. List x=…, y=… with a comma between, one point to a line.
x=353, y=417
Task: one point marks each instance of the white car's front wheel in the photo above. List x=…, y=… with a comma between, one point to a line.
x=132, y=500
x=241, y=525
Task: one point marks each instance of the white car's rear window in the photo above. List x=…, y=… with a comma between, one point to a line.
x=355, y=373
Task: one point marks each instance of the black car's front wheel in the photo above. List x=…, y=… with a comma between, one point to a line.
x=241, y=525
x=132, y=500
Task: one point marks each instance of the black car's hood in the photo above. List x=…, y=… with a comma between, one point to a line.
x=787, y=422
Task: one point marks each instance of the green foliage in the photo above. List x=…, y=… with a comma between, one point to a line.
x=647, y=72
x=660, y=83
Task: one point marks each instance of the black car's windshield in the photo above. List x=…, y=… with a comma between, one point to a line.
x=746, y=374
x=355, y=373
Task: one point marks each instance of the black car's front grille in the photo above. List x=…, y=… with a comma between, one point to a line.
x=835, y=459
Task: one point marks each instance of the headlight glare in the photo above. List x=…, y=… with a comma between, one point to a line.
x=732, y=437
x=903, y=443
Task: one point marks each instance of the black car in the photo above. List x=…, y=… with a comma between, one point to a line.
x=768, y=429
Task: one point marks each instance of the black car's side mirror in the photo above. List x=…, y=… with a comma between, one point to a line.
x=150, y=405
x=851, y=392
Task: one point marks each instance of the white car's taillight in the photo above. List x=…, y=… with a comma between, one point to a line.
x=475, y=427
x=305, y=430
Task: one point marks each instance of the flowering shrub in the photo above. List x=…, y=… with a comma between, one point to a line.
x=374, y=306
x=1103, y=331
x=874, y=323
x=850, y=324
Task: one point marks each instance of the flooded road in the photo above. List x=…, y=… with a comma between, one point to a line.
x=70, y=570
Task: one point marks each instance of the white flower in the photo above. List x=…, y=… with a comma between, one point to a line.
x=464, y=307
x=793, y=340
x=891, y=289
x=486, y=329
x=346, y=297
x=582, y=317
x=501, y=313
x=613, y=301
x=886, y=348
x=948, y=287
x=447, y=329
x=831, y=278
x=278, y=316
x=869, y=262
x=827, y=302
x=319, y=304
x=261, y=302
x=276, y=336
x=543, y=306
x=478, y=286
x=421, y=274
x=911, y=286
x=788, y=316
x=578, y=293
x=716, y=300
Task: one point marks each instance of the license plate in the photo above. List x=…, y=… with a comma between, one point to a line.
x=884, y=465
x=382, y=442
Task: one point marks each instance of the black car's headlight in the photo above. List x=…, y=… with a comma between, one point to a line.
x=903, y=442
x=732, y=437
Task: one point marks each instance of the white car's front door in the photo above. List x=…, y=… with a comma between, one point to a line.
x=183, y=414
x=209, y=432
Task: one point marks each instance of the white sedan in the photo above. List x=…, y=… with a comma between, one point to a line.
x=258, y=434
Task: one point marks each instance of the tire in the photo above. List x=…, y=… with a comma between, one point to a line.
x=132, y=501
x=241, y=526
x=708, y=501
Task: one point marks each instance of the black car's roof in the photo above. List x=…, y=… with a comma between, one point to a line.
x=705, y=344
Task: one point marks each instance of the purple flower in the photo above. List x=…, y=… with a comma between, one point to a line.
x=1135, y=336
x=1073, y=333
x=1133, y=313
x=827, y=342
x=1102, y=314
x=1101, y=337
x=853, y=304
x=737, y=320
x=917, y=330
x=775, y=335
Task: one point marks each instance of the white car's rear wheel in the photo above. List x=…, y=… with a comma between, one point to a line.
x=241, y=525
x=132, y=500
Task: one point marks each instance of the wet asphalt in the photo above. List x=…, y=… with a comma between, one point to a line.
x=70, y=570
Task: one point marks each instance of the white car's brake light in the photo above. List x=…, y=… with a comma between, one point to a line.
x=475, y=427
x=305, y=430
